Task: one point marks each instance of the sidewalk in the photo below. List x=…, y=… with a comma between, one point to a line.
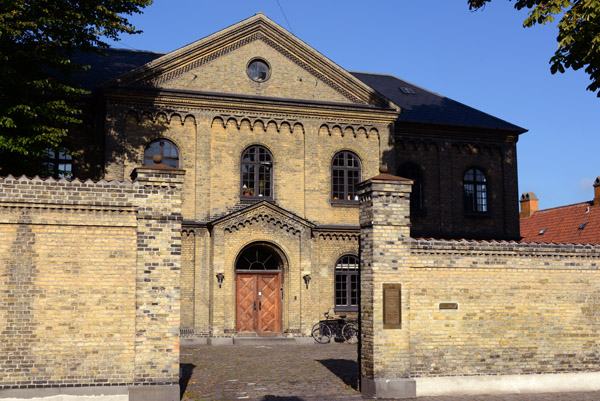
x=296, y=372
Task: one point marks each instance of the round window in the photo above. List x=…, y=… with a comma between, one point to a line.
x=258, y=70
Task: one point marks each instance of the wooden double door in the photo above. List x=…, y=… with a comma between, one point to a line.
x=259, y=303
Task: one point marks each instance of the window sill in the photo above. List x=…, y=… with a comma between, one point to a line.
x=344, y=203
x=253, y=199
x=345, y=309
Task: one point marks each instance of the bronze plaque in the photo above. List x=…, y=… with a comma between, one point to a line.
x=392, y=306
x=448, y=305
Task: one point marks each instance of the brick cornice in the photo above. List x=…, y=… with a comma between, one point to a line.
x=140, y=97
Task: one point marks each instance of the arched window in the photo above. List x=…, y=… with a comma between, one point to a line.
x=166, y=149
x=257, y=173
x=58, y=163
x=258, y=257
x=346, y=283
x=414, y=172
x=345, y=174
x=475, y=189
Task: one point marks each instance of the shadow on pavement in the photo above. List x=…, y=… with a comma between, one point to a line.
x=345, y=369
x=185, y=373
x=275, y=398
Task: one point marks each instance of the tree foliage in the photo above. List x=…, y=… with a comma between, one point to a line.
x=578, y=32
x=37, y=41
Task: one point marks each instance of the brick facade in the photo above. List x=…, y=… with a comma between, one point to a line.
x=202, y=99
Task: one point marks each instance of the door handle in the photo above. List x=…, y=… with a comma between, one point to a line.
x=259, y=306
x=254, y=305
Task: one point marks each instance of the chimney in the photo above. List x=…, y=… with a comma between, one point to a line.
x=597, y=192
x=529, y=204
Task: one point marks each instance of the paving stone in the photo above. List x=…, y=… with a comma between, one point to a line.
x=297, y=372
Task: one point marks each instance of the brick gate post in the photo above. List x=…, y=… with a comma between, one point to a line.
x=384, y=250
x=158, y=201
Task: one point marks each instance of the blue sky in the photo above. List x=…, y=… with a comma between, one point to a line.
x=485, y=59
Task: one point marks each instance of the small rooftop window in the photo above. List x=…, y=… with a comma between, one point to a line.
x=407, y=91
x=582, y=226
x=542, y=231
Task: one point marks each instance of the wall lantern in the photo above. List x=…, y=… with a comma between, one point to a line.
x=306, y=278
x=220, y=278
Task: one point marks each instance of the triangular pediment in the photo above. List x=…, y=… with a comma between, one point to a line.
x=263, y=212
x=219, y=64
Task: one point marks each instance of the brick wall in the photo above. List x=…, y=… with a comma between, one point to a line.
x=89, y=281
x=522, y=308
x=482, y=310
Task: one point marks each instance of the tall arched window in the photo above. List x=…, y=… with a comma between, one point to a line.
x=475, y=189
x=346, y=283
x=414, y=172
x=345, y=174
x=165, y=148
x=257, y=173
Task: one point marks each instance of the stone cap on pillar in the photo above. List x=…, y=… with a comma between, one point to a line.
x=156, y=167
x=384, y=176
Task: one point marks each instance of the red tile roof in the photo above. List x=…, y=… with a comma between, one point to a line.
x=563, y=225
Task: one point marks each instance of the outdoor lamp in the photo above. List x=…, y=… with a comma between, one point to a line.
x=306, y=278
x=220, y=278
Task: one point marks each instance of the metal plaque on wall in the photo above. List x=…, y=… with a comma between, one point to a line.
x=392, y=306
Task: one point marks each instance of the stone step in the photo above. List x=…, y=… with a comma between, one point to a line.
x=263, y=340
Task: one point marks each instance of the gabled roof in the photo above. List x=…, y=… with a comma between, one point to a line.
x=423, y=106
x=256, y=28
x=267, y=210
x=572, y=224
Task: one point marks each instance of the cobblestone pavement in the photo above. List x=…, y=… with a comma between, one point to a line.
x=295, y=372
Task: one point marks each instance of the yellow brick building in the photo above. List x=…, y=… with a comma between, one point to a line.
x=273, y=137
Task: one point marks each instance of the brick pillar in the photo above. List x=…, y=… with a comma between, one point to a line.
x=158, y=201
x=384, y=250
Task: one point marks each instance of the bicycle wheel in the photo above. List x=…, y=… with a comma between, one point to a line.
x=321, y=333
x=350, y=332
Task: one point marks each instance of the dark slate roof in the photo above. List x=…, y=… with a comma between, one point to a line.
x=103, y=68
x=421, y=107
x=428, y=107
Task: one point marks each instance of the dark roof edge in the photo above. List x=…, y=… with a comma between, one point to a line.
x=460, y=127
x=122, y=49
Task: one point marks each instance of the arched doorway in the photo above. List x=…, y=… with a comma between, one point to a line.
x=259, y=269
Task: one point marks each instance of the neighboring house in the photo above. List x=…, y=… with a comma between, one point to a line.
x=273, y=137
x=571, y=224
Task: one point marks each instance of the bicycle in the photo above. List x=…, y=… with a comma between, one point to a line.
x=340, y=328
